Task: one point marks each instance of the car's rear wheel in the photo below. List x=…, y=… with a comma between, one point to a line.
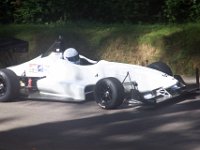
x=160, y=66
x=9, y=85
x=109, y=93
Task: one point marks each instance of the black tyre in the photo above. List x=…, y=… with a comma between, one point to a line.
x=160, y=66
x=109, y=93
x=9, y=85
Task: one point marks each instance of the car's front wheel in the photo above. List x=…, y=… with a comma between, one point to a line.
x=9, y=85
x=109, y=93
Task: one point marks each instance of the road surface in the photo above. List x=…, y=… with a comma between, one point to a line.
x=43, y=125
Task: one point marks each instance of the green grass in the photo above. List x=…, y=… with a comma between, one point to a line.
x=177, y=45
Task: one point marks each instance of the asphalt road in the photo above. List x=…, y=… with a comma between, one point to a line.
x=43, y=125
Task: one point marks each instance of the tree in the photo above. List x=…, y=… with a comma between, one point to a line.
x=6, y=11
x=107, y=11
x=182, y=10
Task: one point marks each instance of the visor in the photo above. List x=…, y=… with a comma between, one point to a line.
x=74, y=58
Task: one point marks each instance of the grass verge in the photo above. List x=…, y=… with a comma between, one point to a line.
x=177, y=45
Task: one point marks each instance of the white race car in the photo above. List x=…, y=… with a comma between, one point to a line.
x=49, y=76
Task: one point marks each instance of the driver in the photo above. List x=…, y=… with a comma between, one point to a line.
x=72, y=55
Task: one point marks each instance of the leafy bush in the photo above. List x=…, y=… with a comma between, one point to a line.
x=131, y=11
x=182, y=10
x=40, y=11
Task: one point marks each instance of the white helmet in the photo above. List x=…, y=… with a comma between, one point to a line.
x=71, y=55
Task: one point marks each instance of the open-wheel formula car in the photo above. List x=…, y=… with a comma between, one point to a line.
x=49, y=76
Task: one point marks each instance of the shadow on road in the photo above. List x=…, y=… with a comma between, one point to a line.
x=171, y=125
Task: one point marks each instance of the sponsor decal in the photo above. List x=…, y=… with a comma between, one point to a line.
x=35, y=68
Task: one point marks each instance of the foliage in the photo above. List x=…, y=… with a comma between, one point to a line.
x=131, y=11
x=182, y=10
x=39, y=11
x=6, y=11
x=34, y=11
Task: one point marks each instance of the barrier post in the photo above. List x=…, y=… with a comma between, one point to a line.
x=197, y=78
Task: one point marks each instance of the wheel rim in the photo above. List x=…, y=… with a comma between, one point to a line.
x=105, y=95
x=2, y=86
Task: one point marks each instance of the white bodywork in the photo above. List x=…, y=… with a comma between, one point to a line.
x=61, y=78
